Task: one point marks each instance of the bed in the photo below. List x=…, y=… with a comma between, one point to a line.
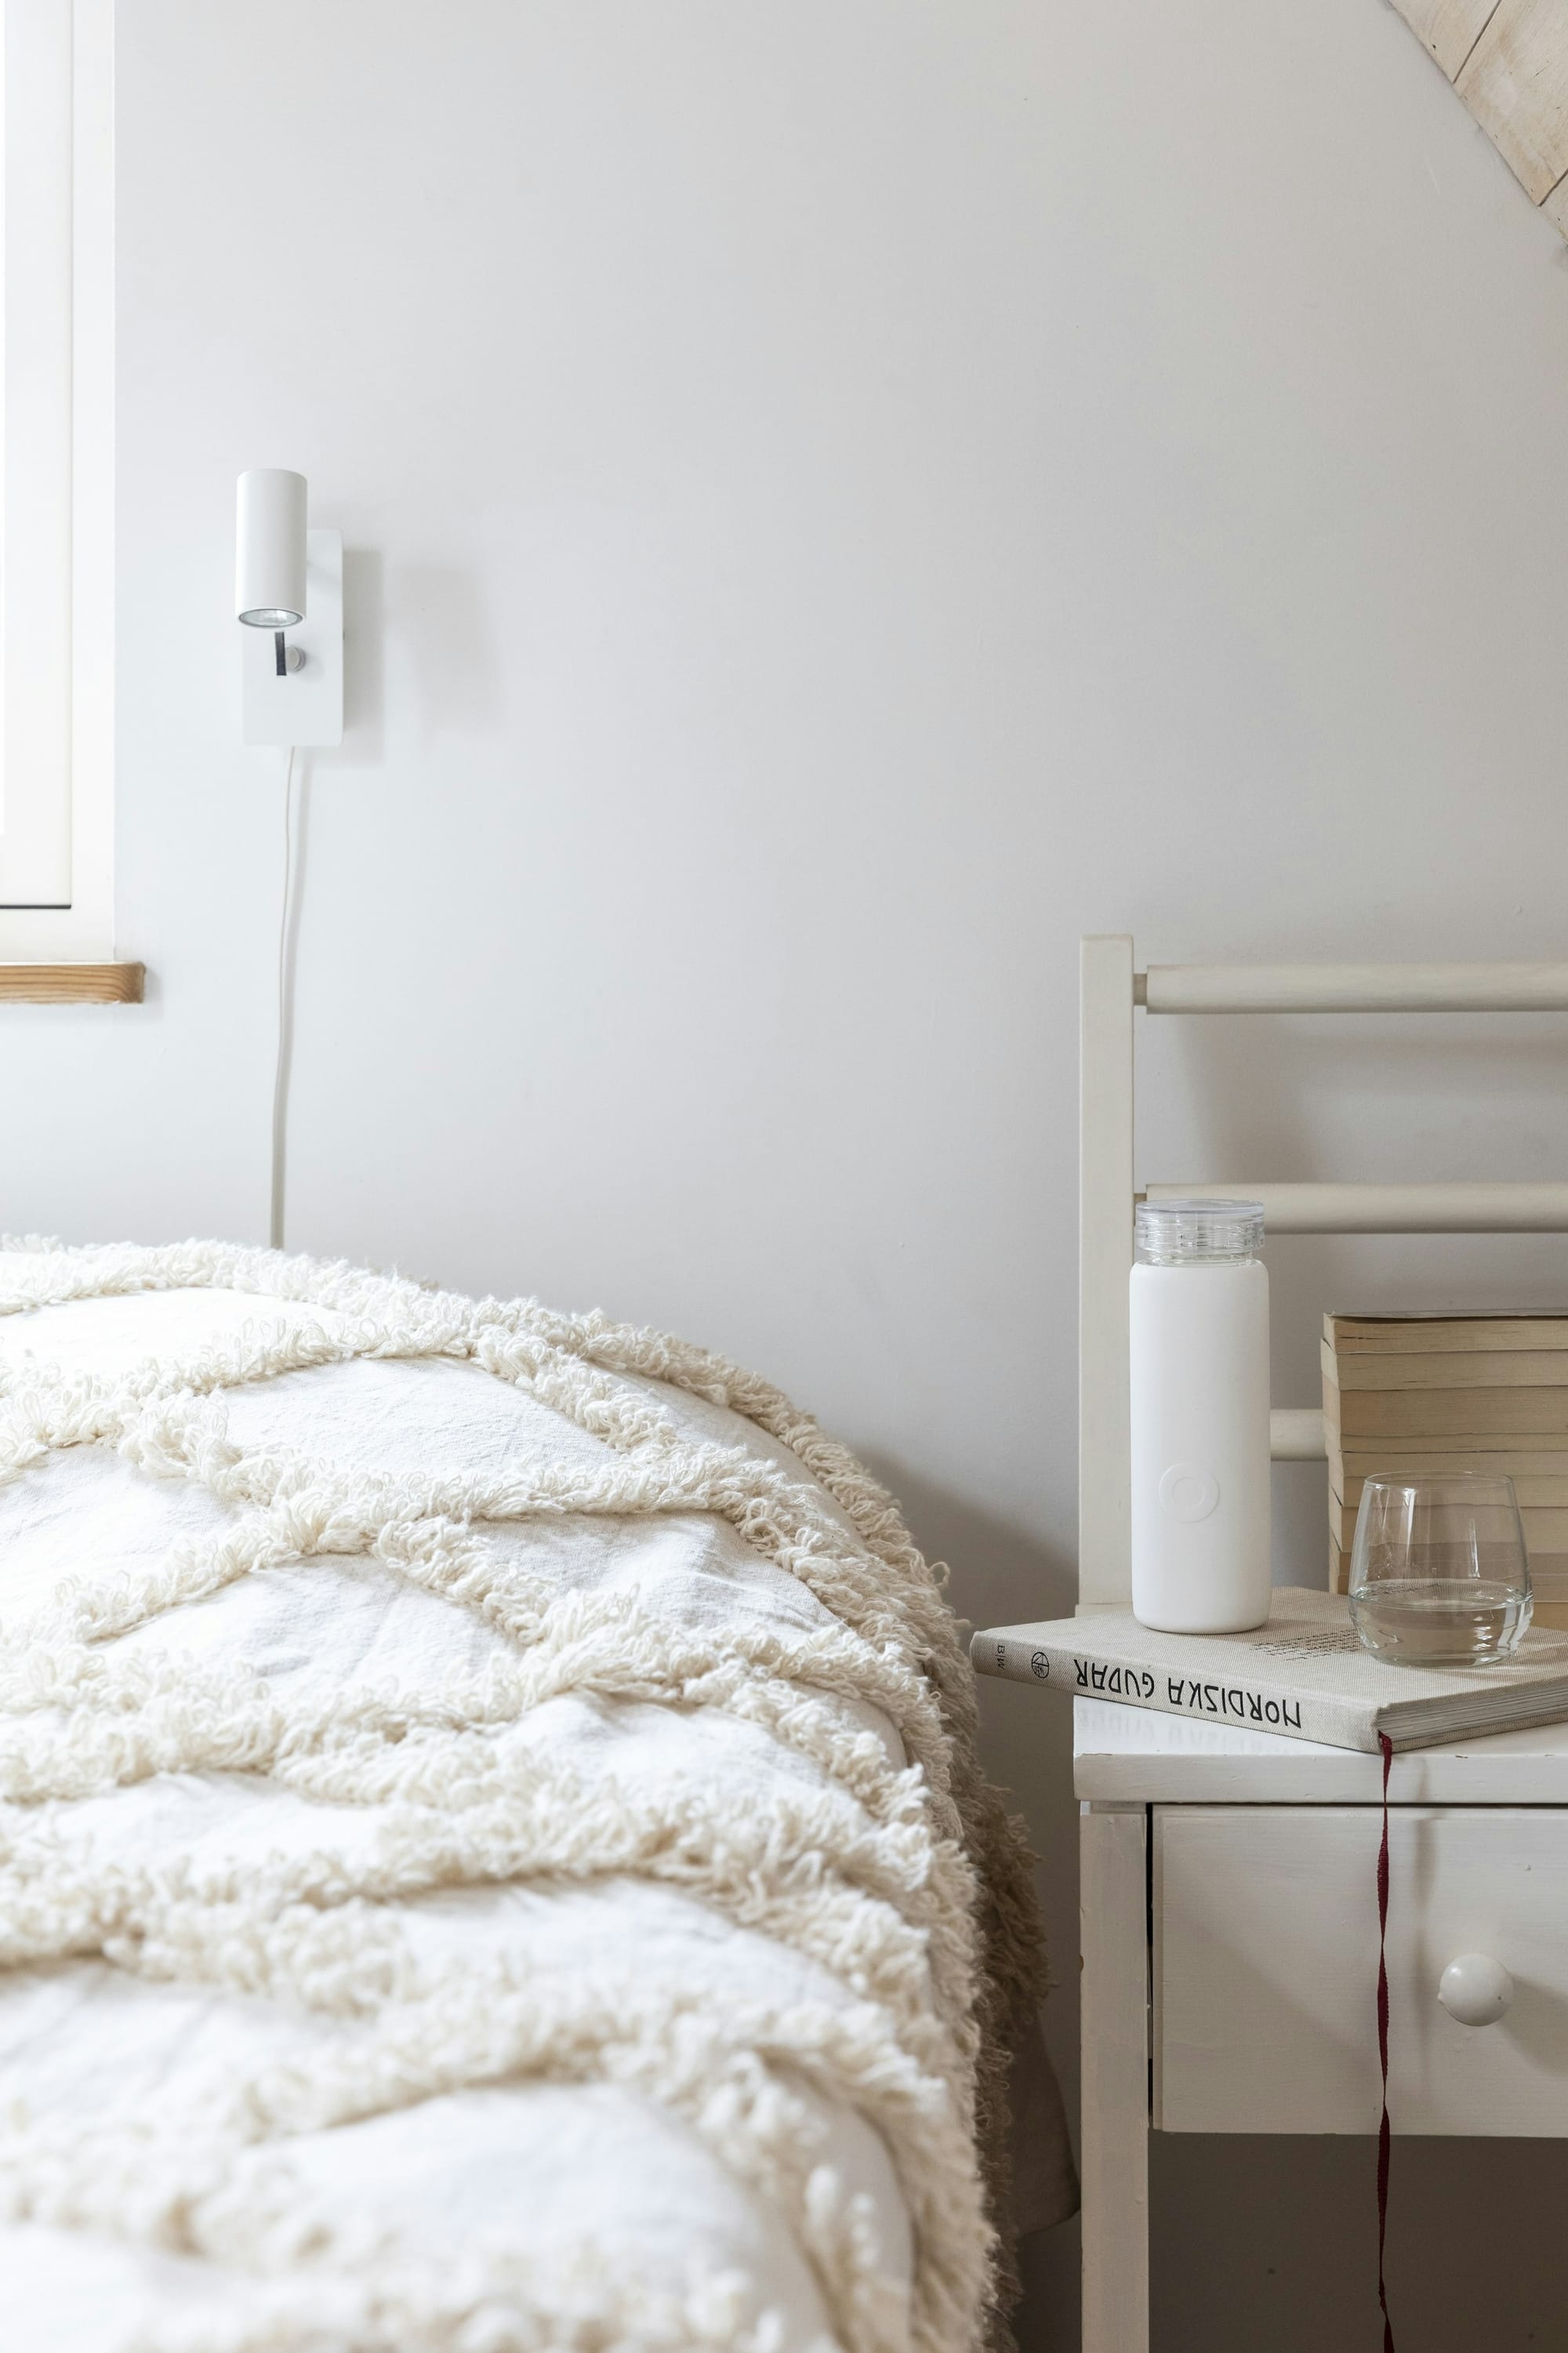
x=492, y=1852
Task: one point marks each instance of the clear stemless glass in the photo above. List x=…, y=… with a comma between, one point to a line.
x=1439, y=1577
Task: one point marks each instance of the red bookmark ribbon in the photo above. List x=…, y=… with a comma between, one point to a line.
x=1386, y=1745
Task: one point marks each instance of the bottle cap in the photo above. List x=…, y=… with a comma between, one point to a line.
x=1194, y=1232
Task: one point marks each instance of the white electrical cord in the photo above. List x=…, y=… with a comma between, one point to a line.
x=280, y=1067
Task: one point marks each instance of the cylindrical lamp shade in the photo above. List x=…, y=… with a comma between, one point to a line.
x=269, y=575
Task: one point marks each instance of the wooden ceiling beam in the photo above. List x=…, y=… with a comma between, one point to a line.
x=1508, y=60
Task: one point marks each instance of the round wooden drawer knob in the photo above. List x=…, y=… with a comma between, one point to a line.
x=1475, y=1990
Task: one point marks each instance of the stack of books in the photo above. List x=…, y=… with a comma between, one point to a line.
x=1414, y=1395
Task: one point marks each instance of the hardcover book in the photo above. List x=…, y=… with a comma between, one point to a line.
x=1303, y=1673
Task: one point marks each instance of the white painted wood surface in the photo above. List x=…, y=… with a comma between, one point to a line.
x=1128, y=1754
x=1105, y=1261
x=1295, y=1434
x=1265, y=1970
x=1355, y=988
x=1485, y=1209
x=1114, y=1951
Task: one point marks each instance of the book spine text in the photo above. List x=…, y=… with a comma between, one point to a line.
x=1083, y=1677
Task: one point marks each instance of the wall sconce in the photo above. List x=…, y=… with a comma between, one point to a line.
x=269, y=569
x=288, y=578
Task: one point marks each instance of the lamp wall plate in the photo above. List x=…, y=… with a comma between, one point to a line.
x=305, y=706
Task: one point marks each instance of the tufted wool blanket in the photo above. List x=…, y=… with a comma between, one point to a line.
x=491, y=1849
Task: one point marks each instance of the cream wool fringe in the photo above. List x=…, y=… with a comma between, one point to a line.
x=485, y=2300
x=885, y=1890
x=732, y=2082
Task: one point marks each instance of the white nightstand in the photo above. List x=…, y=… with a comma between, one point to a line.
x=1230, y=1948
x=1229, y=1917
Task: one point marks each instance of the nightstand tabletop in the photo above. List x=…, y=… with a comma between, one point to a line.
x=1140, y=1755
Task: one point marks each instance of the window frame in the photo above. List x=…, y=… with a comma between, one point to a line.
x=62, y=172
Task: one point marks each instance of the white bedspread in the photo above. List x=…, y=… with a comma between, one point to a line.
x=490, y=1843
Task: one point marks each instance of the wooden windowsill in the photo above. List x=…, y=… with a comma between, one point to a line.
x=71, y=984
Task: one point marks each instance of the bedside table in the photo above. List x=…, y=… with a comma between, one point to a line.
x=1229, y=1952
x=1229, y=1918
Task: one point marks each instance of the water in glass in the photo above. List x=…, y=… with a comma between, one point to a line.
x=1439, y=1576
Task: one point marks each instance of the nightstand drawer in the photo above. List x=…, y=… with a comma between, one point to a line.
x=1265, y=1969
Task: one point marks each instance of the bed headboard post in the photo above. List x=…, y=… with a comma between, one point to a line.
x=1105, y=1255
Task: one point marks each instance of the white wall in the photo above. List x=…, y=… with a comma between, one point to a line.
x=847, y=495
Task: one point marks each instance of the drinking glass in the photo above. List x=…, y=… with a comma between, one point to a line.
x=1439, y=1576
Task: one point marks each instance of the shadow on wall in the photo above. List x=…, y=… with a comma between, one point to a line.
x=440, y=631
x=1025, y=1744
x=1025, y=1736
x=441, y=639
x=999, y=1575
x=998, y=1572
x=364, y=673
x=1259, y=1087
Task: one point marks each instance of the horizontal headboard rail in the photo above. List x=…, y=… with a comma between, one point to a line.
x=1353, y=988
x=1486, y=1208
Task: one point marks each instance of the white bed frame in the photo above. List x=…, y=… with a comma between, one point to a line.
x=1133, y=1771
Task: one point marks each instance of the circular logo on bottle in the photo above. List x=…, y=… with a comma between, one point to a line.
x=1188, y=1492
x=1039, y=1664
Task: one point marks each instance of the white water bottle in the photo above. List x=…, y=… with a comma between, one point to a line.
x=1199, y=1349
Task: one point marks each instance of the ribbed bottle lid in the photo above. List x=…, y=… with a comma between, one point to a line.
x=1179, y=1233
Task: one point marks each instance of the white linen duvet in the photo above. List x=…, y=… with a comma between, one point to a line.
x=491, y=1853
